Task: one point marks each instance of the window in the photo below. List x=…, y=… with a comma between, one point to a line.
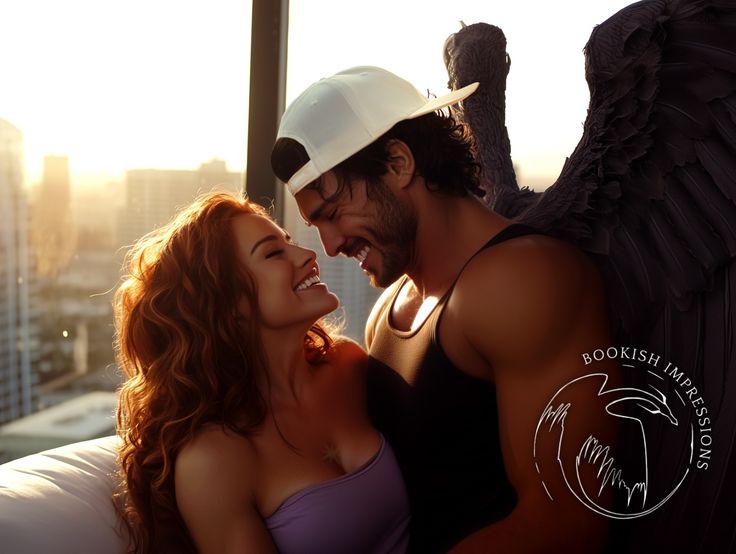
x=111, y=116
x=114, y=114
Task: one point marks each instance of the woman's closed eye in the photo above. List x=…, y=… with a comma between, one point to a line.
x=277, y=252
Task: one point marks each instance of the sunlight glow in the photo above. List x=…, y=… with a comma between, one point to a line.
x=138, y=84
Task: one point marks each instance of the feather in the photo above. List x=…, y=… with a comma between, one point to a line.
x=650, y=194
x=720, y=164
x=724, y=124
x=721, y=214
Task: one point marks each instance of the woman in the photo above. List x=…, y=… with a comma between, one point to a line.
x=243, y=419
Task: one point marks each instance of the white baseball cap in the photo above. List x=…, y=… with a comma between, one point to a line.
x=338, y=116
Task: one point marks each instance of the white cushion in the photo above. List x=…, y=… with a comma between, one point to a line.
x=60, y=501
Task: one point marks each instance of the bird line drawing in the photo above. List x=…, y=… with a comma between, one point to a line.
x=598, y=454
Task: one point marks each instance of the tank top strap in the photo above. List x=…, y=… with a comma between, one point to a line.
x=510, y=232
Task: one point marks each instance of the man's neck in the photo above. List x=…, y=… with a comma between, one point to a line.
x=449, y=232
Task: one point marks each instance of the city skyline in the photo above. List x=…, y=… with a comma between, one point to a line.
x=148, y=95
x=19, y=330
x=165, y=84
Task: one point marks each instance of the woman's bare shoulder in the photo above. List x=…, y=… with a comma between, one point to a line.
x=215, y=477
x=216, y=454
x=347, y=352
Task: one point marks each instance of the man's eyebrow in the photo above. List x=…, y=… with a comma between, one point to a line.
x=317, y=213
x=264, y=239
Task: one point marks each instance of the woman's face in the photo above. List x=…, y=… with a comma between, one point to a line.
x=287, y=275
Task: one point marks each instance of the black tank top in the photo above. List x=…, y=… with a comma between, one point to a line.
x=443, y=425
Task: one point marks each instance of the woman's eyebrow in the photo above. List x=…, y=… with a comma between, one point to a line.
x=261, y=241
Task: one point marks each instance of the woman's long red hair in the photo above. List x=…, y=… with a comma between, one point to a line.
x=190, y=357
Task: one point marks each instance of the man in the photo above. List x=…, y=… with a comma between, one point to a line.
x=482, y=321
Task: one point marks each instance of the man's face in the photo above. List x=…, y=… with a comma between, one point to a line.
x=378, y=230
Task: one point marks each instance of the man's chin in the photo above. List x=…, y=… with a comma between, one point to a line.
x=375, y=282
x=385, y=271
x=383, y=280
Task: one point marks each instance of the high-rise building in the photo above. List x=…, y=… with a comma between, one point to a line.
x=152, y=196
x=53, y=240
x=343, y=277
x=19, y=340
x=53, y=234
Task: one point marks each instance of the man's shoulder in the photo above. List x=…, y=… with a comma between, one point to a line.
x=534, y=245
x=523, y=298
x=523, y=261
x=531, y=276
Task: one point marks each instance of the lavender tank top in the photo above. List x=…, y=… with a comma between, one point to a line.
x=364, y=511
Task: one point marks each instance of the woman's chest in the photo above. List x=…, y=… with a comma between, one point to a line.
x=327, y=435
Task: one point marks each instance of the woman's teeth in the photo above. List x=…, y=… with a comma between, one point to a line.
x=308, y=282
x=363, y=254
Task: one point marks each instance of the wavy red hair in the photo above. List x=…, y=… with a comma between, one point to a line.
x=190, y=357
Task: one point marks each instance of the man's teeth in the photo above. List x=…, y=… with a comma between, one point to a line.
x=308, y=282
x=363, y=254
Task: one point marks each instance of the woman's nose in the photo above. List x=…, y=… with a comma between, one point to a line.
x=305, y=256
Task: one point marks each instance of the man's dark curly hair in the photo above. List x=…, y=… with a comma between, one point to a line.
x=442, y=147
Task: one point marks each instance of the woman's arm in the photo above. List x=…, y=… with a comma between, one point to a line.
x=214, y=478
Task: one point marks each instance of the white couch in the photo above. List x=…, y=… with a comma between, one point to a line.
x=60, y=501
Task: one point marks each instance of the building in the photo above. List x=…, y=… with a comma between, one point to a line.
x=85, y=417
x=19, y=336
x=153, y=196
x=53, y=234
x=66, y=285
x=343, y=277
x=95, y=210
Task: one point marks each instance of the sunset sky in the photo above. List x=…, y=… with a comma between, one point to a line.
x=164, y=83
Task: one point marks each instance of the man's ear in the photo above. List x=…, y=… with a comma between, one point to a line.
x=401, y=167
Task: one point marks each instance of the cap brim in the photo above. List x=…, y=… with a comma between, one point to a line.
x=446, y=100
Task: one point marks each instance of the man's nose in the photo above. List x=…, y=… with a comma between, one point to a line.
x=332, y=239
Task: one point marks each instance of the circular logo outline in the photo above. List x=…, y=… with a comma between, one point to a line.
x=556, y=413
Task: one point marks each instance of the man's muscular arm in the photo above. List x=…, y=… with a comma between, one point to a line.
x=530, y=308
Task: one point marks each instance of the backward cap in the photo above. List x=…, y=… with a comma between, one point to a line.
x=339, y=115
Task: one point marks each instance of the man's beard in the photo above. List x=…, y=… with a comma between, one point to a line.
x=394, y=232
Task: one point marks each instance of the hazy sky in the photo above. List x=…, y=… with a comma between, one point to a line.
x=164, y=83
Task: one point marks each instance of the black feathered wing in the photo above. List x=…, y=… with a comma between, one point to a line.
x=650, y=193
